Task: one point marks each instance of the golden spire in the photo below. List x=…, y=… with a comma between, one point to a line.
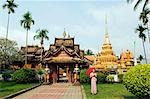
x=64, y=33
x=106, y=41
x=106, y=27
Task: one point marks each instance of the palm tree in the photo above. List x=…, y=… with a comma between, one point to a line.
x=89, y=52
x=141, y=30
x=26, y=23
x=140, y=58
x=10, y=5
x=144, y=18
x=139, y=2
x=41, y=35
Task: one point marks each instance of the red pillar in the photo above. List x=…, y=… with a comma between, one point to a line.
x=54, y=74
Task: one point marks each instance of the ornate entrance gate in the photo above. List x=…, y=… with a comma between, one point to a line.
x=62, y=57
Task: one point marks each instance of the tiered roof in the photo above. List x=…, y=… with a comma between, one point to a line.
x=33, y=52
x=106, y=58
x=64, y=51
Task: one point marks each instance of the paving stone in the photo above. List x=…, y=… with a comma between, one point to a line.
x=54, y=91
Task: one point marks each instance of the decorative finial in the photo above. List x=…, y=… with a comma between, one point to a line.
x=64, y=34
x=106, y=32
x=106, y=27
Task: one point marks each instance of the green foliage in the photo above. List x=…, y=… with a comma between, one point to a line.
x=108, y=91
x=120, y=76
x=7, y=88
x=110, y=78
x=83, y=77
x=101, y=78
x=41, y=35
x=40, y=72
x=9, y=53
x=25, y=76
x=137, y=80
x=6, y=76
x=88, y=52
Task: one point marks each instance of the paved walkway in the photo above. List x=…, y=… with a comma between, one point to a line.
x=54, y=91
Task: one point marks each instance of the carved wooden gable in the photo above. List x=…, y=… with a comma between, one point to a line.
x=64, y=41
x=63, y=54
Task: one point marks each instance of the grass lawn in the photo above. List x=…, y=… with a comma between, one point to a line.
x=7, y=88
x=109, y=91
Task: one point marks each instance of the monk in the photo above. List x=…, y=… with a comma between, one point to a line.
x=93, y=76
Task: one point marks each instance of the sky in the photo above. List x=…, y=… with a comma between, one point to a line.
x=82, y=19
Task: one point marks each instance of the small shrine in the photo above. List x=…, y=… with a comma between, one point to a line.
x=126, y=60
x=62, y=57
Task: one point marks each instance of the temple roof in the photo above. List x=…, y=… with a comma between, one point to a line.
x=32, y=49
x=126, y=55
x=64, y=51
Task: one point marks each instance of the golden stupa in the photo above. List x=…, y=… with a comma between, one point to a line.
x=106, y=59
x=126, y=59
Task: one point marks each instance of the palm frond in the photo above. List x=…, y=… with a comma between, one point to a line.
x=145, y=4
x=4, y=6
x=137, y=4
x=21, y=22
x=128, y=1
x=32, y=21
x=47, y=37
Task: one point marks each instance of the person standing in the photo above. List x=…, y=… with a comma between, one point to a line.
x=93, y=76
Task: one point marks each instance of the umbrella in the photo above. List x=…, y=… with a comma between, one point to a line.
x=90, y=70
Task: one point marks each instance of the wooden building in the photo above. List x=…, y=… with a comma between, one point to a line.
x=61, y=57
x=64, y=54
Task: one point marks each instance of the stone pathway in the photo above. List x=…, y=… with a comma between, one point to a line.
x=54, y=91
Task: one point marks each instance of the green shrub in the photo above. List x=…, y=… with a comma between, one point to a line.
x=110, y=78
x=25, y=76
x=83, y=77
x=120, y=77
x=137, y=81
x=40, y=72
x=101, y=78
x=6, y=76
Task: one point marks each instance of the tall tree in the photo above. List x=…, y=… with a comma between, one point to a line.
x=89, y=52
x=10, y=5
x=145, y=18
x=140, y=58
x=41, y=35
x=138, y=2
x=26, y=23
x=141, y=31
x=12, y=53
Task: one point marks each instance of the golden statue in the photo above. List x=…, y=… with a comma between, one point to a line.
x=76, y=76
x=46, y=78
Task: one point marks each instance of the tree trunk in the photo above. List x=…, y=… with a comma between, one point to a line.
x=26, y=58
x=144, y=51
x=6, y=39
x=7, y=29
x=41, y=52
x=148, y=33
